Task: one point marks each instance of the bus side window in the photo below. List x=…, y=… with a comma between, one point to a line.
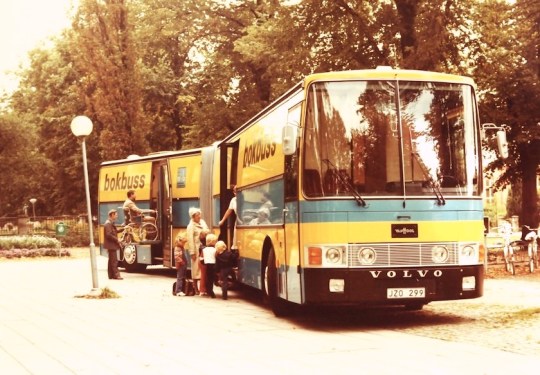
x=312, y=183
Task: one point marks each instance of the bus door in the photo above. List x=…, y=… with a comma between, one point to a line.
x=290, y=217
x=227, y=178
x=161, y=201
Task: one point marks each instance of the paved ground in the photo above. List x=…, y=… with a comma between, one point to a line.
x=44, y=329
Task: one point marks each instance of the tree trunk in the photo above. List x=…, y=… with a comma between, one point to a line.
x=529, y=193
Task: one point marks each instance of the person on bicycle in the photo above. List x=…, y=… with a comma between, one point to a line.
x=131, y=211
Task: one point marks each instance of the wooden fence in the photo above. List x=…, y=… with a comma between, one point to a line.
x=43, y=225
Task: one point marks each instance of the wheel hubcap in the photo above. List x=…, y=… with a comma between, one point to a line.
x=130, y=254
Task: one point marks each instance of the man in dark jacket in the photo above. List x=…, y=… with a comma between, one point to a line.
x=112, y=245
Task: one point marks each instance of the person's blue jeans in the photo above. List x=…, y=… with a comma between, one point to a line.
x=180, y=276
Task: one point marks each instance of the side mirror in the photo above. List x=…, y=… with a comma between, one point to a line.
x=289, y=135
x=502, y=144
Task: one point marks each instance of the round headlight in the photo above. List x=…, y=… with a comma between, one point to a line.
x=333, y=255
x=467, y=251
x=439, y=254
x=367, y=256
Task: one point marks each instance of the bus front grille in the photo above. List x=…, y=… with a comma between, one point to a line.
x=404, y=254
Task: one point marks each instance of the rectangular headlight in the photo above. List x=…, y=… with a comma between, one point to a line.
x=336, y=285
x=468, y=283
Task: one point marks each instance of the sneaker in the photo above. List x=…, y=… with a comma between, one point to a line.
x=181, y=294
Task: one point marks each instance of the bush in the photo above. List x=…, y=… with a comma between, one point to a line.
x=30, y=247
x=28, y=242
x=33, y=253
x=75, y=238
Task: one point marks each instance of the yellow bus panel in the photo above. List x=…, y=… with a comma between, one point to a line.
x=185, y=176
x=115, y=181
x=260, y=154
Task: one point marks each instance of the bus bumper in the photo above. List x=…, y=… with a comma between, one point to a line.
x=396, y=286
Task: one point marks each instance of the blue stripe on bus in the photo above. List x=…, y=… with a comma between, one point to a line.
x=180, y=211
x=390, y=210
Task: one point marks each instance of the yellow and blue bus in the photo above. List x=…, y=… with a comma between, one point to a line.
x=371, y=185
x=168, y=183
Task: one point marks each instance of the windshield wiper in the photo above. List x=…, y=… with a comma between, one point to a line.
x=432, y=183
x=347, y=182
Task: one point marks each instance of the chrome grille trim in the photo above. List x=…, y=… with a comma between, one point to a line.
x=402, y=254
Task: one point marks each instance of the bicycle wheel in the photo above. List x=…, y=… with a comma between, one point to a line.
x=535, y=256
x=510, y=266
x=149, y=232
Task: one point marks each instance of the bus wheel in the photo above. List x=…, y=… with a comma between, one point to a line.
x=130, y=259
x=414, y=306
x=279, y=306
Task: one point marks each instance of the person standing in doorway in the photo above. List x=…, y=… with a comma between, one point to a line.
x=232, y=210
x=112, y=245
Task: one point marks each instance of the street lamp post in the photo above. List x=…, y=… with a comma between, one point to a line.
x=33, y=201
x=82, y=126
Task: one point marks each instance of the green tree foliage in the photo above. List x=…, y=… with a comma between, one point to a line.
x=47, y=99
x=508, y=72
x=103, y=34
x=170, y=74
x=25, y=172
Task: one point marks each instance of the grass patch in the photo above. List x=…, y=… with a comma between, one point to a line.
x=527, y=313
x=105, y=293
x=505, y=318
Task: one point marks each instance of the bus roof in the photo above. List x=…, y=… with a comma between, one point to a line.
x=152, y=156
x=388, y=73
x=380, y=73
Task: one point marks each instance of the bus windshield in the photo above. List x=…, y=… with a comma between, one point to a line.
x=390, y=138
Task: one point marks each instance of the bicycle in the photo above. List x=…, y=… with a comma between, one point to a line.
x=508, y=250
x=144, y=228
x=530, y=237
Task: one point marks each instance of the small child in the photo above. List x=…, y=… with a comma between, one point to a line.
x=209, y=256
x=180, y=259
x=225, y=261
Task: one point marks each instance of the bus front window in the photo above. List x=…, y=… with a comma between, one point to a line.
x=355, y=134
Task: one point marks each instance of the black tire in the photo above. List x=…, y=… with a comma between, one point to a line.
x=414, y=306
x=279, y=306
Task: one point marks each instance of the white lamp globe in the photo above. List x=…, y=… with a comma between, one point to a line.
x=81, y=126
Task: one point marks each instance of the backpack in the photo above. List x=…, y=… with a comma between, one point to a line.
x=187, y=288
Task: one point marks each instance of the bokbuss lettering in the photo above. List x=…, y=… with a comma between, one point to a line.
x=260, y=150
x=123, y=182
